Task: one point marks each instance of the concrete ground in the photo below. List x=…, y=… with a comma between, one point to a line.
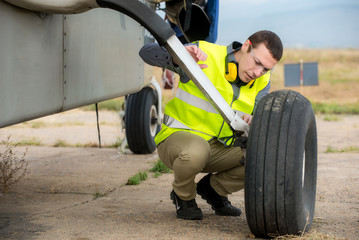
x=80, y=193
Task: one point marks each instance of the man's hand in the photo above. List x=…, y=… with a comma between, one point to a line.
x=197, y=54
x=247, y=118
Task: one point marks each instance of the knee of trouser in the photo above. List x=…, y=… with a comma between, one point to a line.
x=236, y=173
x=195, y=158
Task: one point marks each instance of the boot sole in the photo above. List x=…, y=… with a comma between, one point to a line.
x=215, y=210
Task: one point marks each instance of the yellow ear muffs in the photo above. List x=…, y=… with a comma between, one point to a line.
x=231, y=65
x=231, y=72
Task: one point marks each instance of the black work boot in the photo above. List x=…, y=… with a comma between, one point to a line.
x=219, y=204
x=186, y=209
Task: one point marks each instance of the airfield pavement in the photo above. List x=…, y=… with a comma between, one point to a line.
x=80, y=193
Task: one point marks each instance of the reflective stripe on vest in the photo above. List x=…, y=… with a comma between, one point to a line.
x=195, y=101
x=173, y=123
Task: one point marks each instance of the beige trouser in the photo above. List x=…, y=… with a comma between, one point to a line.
x=188, y=154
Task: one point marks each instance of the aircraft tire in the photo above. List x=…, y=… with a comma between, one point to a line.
x=282, y=143
x=141, y=125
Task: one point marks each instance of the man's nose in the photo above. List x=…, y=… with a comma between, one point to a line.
x=257, y=72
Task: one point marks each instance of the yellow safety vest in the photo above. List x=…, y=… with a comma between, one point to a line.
x=191, y=111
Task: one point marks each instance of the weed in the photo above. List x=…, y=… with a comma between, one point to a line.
x=332, y=118
x=27, y=142
x=90, y=145
x=61, y=143
x=157, y=174
x=159, y=168
x=331, y=149
x=143, y=176
x=12, y=167
x=98, y=195
x=41, y=124
x=35, y=124
x=117, y=143
x=137, y=178
x=134, y=180
x=351, y=149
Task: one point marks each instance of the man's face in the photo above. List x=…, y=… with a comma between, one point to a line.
x=255, y=63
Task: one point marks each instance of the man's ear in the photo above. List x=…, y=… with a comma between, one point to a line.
x=246, y=45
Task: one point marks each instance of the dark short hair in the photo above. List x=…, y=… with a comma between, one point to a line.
x=270, y=40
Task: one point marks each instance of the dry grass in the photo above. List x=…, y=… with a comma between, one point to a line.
x=312, y=235
x=338, y=74
x=13, y=167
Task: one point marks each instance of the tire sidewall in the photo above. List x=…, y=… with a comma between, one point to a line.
x=282, y=133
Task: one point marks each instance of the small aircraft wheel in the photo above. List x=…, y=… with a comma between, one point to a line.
x=281, y=166
x=141, y=116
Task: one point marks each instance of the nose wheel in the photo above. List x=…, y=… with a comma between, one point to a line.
x=141, y=123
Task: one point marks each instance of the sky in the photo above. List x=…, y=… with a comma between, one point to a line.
x=299, y=23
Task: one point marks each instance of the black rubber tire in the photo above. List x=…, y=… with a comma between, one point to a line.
x=141, y=125
x=279, y=197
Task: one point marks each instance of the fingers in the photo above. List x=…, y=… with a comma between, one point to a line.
x=203, y=66
x=247, y=118
x=196, y=53
x=201, y=56
x=250, y=120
